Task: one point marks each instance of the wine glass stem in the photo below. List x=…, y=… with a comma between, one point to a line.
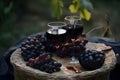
x=74, y=60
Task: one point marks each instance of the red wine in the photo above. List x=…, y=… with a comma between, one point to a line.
x=74, y=32
x=58, y=37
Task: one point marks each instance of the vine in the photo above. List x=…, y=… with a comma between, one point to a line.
x=82, y=7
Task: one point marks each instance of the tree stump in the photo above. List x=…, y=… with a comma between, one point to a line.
x=23, y=72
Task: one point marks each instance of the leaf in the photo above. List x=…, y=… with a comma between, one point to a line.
x=61, y=11
x=57, y=6
x=85, y=14
x=54, y=2
x=82, y=15
x=72, y=9
x=87, y=4
x=74, y=1
x=61, y=4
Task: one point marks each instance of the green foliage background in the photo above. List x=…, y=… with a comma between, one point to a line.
x=20, y=18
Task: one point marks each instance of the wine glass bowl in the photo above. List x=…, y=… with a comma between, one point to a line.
x=56, y=33
x=72, y=20
x=56, y=28
x=74, y=26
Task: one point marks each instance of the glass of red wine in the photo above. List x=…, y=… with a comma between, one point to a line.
x=74, y=30
x=74, y=26
x=56, y=32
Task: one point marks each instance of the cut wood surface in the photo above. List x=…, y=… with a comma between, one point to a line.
x=23, y=72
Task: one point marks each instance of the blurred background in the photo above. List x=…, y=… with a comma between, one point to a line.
x=21, y=18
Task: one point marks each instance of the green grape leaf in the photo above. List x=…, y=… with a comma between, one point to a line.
x=82, y=15
x=72, y=9
x=85, y=14
x=75, y=6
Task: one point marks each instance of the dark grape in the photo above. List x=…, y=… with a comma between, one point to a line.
x=31, y=41
x=29, y=38
x=38, y=36
x=57, y=64
x=43, y=40
x=42, y=68
x=61, y=53
x=23, y=44
x=50, y=48
x=58, y=69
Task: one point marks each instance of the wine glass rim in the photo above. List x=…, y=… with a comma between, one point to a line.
x=56, y=24
x=68, y=17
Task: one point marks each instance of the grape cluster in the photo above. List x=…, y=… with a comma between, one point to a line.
x=68, y=50
x=33, y=47
x=44, y=63
x=73, y=47
x=92, y=59
x=36, y=51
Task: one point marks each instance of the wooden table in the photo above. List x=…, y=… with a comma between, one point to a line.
x=23, y=72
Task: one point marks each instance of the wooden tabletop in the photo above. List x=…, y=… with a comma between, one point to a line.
x=23, y=72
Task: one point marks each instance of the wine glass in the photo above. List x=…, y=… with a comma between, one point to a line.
x=56, y=33
x=74, y=28
x=56, y=28
x=72, y=21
